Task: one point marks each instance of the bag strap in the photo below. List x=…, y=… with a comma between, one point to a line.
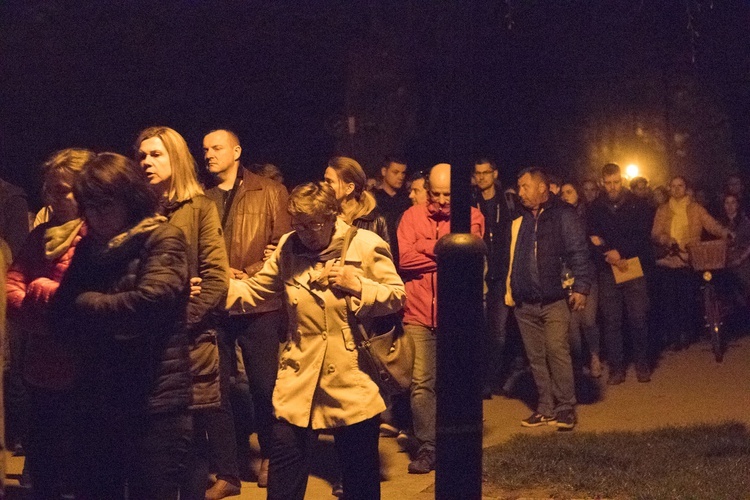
x=358, y=330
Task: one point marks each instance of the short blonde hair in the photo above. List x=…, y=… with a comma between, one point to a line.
x=183, y=184
x=64, y=163
x=315, y=199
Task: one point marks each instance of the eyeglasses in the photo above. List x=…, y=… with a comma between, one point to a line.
x=315, y=227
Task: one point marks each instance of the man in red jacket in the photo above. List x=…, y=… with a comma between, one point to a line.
x=420, y=228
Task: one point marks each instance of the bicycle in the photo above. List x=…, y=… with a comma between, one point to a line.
x=705, y=257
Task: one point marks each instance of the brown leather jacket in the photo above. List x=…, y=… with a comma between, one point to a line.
x=258, y=217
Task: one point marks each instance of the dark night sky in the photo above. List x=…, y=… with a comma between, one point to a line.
x=94, y=73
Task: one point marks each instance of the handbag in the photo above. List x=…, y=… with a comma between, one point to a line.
x=386, y=354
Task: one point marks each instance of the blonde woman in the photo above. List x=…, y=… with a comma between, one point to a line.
x=170, y=169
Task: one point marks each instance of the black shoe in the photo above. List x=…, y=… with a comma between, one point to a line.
x=616, y=378
x=566, y=419
x=424, y=463
x=537, y=419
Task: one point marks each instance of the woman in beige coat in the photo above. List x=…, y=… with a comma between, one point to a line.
x=319, y=383
x=678, y=223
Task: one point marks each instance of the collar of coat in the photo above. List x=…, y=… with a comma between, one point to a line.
x=145, y=226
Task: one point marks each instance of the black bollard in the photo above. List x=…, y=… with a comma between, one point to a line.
x=460, y=266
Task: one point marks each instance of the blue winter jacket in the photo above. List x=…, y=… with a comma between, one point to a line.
x=543, y=245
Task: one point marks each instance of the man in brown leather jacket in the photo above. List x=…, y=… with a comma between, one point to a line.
x=253, y=211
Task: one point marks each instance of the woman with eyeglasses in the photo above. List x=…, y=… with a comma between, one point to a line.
x=319, y=383
x=49, y=365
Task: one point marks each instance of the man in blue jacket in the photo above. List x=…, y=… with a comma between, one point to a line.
x=547, y=236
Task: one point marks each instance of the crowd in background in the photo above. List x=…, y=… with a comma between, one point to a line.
x=154, y=322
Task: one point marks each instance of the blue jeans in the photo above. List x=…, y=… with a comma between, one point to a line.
x=583, y=324
x=423, y=401
x=631, y=298
x=497, y=331
x=544, y=330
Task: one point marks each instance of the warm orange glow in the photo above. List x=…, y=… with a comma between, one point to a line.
x=632, y=171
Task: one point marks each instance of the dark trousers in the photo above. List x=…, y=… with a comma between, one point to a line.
x=631, y=299
x=214, y=446
x=291, y=454
x=258, y=338
x=51, y=448
x=677, y=292
x=149, y=452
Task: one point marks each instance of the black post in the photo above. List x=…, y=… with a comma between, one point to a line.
x=460, y=262
x=460, y=318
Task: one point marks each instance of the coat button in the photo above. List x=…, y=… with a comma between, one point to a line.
x=295, y=301
x=325, y=335
x=350, y=345
x=331, y=368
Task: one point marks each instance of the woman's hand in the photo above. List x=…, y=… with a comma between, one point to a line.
x=195, y=286
x=346, y=278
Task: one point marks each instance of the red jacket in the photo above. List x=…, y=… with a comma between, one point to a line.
x=420, y=228
x=31, y=282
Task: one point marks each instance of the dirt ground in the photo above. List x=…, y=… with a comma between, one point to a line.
x=687, y=387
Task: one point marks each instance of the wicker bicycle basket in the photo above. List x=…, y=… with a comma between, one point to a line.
x=708, y=255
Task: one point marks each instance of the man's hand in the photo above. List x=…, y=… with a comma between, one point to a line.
x=596, y=240
x=612, y=257
x=195, y=286
x=268, y=251
x=577, y=301
x=237, y=274
x=346, y=278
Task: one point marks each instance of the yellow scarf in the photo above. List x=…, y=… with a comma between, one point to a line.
x=680, y=228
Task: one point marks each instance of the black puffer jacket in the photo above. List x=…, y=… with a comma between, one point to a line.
x=124, y=303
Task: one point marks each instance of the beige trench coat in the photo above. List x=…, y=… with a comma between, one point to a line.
x=319, y=383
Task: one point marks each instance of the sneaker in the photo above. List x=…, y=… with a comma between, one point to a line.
x=537, y=419
x=424, y=463
x=616, y=378
x=338, y=489
x=566, y=419
x=388, y=431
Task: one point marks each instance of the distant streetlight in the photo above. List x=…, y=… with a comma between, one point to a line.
x=632, y=171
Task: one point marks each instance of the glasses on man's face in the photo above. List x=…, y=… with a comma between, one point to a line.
x=315, y=227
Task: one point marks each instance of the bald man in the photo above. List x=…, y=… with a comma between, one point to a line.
x=420, y=228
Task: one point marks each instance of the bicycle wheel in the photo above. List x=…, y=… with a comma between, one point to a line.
x=712, y=310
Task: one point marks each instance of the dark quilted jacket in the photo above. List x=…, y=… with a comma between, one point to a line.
x=125, y=306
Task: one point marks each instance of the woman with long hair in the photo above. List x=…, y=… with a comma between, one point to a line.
x=170, y=169
x=358, y=206
x=678, y=223
x=583, y=322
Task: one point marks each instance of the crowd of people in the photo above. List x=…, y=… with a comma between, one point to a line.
x=154, y=322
